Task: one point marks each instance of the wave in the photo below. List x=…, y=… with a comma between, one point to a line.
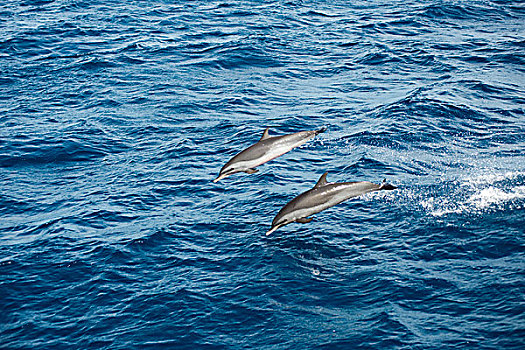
x=45, y=152
x=78, y=143
x=463, y=11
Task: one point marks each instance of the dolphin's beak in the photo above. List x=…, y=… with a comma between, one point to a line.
x=220, y=177
x=272, y=230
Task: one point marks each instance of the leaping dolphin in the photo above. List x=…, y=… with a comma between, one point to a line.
x=324, y=195
x=268, y=148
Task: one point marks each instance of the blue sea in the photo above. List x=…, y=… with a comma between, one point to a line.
x=116, y=116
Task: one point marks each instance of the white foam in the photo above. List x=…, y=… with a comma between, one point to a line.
x=442, y=206
x=478, y=193
x=493, y=196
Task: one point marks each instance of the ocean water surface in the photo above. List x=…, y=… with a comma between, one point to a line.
x=115, y=117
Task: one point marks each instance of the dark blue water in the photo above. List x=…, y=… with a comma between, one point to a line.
x=115, y=117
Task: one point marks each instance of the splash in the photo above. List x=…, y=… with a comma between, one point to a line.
x=479, y=194
x=494, y=196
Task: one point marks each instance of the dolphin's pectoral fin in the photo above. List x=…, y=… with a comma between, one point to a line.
x=251, y=171
x=304, y=220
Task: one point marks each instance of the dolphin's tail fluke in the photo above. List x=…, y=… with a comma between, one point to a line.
x=319, y=131
x=387, y=186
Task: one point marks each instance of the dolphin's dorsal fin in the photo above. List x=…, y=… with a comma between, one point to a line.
x=266, y=135
x=322, y=181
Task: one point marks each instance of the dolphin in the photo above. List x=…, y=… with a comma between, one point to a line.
x=266, y=149
x=324, y=195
